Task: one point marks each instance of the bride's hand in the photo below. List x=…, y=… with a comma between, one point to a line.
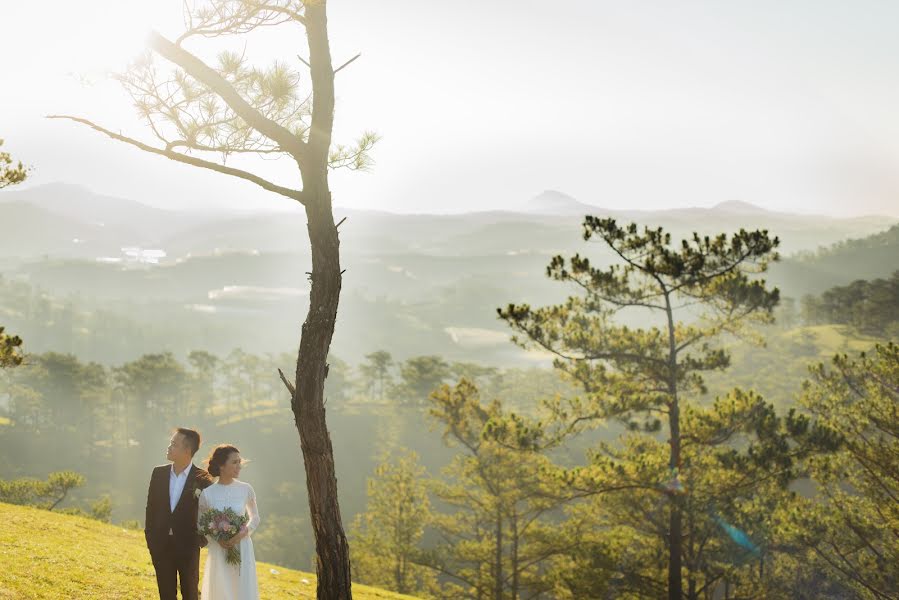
x=236, y=539
x=226, y=544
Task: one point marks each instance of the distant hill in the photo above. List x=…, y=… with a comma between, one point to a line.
x=30, y=230
x=870, y=257
x=49, y=556
x=412, y=282
x=552, y=202
x=554, y=215
x=63, y=220
x=740, y=207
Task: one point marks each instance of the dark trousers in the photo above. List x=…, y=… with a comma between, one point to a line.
x=172, y=565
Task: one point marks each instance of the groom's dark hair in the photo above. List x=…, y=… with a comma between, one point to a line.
x=192, y=437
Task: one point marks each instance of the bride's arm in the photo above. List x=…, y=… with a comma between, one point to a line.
x=253, y=511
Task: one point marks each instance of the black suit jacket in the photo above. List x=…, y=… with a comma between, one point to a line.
x=183, y=520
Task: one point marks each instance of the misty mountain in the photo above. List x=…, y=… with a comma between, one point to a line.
x=550, y=222
x=68, y=221
x=414, y=284
x=552, y=202
x=870, y=257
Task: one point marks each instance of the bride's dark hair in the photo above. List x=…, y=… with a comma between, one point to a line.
x=219, y=457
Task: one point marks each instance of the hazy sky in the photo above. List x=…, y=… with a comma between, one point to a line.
x=484, y=104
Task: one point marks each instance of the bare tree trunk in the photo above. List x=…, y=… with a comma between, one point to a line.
x=692, y=559
x=332, y=550
x=675, y=525
x=482, y=588
x=498, y=582
x=333, y=566
x=515, y=555
x=399, y=573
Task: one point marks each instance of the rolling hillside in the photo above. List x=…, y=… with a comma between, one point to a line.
x=50, y=556
x=867, y=257
x=414, y=284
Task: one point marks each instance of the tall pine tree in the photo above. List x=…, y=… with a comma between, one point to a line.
x=692, y=294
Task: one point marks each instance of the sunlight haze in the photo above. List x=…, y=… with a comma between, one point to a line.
x=483, y=105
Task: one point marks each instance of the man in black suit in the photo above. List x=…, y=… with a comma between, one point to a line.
x=171, y=520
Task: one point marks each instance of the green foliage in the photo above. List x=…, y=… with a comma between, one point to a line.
x=497, y=539
x=841, y=263
x=847, y=247
x=852, y=527
x=694, y=293
x=385, y=538
x=150, y=389
x=203, y=377
x=186, y=113
x=42, y=494
x=11, y=173
x=871, y=307
x=10, y=350
x=101, y=510
x=646, y=367
x=277, y=537
x=419, y=375
x=57, y=389
x=153, y=380
x=375, y=373
x=199, y=119
x=132, y=524
x=339, y=384
x=738, y=461
x=600, y=526
x=87, y=415
x=356, y=157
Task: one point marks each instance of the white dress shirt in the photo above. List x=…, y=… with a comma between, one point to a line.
x=176, y=485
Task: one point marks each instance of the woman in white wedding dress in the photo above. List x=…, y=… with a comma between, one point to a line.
x=222, y=581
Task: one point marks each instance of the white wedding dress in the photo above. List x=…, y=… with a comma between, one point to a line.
x=222, y=581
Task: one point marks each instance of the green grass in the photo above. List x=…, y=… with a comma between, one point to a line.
x=46, y=555
x=834, y=339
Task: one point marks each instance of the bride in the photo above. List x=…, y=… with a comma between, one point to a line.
x=222, y=581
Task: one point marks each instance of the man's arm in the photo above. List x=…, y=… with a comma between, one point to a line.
x=148, y=516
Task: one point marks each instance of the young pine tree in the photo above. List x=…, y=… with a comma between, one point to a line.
x=690, y=295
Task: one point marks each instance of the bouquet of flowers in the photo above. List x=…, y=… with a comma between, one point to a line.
x=222, y=525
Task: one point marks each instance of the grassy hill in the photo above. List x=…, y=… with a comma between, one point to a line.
x=777, y=370
x=867, y=257
x=835, y=339
x=47, y=555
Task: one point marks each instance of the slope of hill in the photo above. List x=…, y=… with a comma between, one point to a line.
x=50, y=556
x=777, y=370
x=553, y=215
x=552, y=202
x=62, y=220
x=79, y=203
x=413, y=282
x=867, y=257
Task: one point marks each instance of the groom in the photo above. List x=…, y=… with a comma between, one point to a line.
x=171, y=521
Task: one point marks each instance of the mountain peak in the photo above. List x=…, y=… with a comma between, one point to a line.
x=555, y=202
x=738, y=206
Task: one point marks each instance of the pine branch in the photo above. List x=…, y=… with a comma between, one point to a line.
x=206, y=75
x=190, y=160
